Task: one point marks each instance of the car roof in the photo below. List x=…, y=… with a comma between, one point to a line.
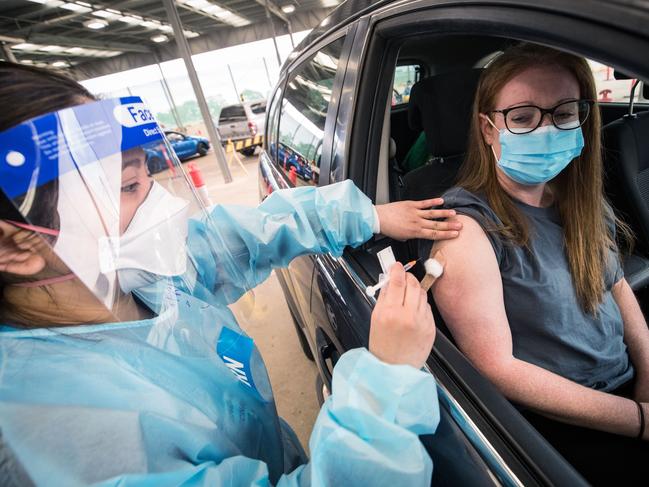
x=631, y=15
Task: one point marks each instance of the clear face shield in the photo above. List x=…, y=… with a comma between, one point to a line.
x=80, y=180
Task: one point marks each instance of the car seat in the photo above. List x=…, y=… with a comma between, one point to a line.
x=440, y=106
x=626, y=153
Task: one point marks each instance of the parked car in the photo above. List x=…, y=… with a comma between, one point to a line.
x=185, y=146
x=338, y=83
x=242, y=121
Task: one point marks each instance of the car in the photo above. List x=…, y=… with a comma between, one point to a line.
x=338, y=84
x=185, y=146
x=242, y=121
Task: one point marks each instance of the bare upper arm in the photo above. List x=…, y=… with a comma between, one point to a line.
x=469, y=296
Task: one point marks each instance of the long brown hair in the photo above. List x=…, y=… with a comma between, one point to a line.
x=577, y=189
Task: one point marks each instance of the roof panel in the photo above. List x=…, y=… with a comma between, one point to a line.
x=44, y=22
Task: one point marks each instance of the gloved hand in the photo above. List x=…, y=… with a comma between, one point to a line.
x=402, y=329
x=404, y=220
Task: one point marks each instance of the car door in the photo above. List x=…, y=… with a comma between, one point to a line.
x=481, y=420
x=298, y=121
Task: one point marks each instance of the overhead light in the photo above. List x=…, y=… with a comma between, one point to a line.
x=197, y=3
x=49, y=3
x=288, y=9
x=106, y=14
x=60, y=64
x=190, y=34
x=215, y=11
x=51, y=48
x=160, y=38
x=76, y=7
x=26, y=46
x=95, y=24
x=127, y=19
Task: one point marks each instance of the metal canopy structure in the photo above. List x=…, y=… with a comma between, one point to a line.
x=91, y=38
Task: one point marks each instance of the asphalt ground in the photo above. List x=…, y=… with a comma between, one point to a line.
x=269, y=323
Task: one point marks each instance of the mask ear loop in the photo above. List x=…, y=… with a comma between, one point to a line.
x=493, y=151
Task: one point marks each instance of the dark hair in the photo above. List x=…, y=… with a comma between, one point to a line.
x=28, y=92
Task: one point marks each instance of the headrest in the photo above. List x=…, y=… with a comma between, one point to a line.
x=441, y=107
x=617, y=74
x=392, y=151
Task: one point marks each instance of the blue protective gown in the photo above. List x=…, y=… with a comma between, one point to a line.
x=184, y=398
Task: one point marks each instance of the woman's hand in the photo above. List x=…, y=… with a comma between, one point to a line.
x=402, y=329
x=405, y=220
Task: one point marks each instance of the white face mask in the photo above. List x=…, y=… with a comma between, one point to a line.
x=154, y=243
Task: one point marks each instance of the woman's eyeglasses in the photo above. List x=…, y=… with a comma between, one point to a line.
x=568, y=115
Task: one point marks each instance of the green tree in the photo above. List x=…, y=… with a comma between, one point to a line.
x=249, y=95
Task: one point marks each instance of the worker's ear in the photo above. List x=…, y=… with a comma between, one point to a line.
x=20, y=250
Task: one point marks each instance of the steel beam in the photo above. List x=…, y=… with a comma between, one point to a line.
x=274, y=9
x=185, y=54
x=272, y=29
x=86, y=43
x=6, y=51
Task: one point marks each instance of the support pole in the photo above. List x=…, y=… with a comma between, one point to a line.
x=8, y=53
x=236, y=90
x=290, y=34
x=168, y=95
x=183, y=50
x=270, y=84
x=272, y=29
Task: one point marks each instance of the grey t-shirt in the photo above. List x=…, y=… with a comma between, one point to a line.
x=548, y=326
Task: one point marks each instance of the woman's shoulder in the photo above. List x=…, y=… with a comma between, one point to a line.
x=465, y=202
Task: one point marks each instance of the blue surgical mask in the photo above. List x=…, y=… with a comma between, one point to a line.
x=538, y=156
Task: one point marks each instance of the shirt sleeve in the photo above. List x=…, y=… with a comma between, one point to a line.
x=475, y=207
x=237, y=247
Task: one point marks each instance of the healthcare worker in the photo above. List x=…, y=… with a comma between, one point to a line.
x=121, y=361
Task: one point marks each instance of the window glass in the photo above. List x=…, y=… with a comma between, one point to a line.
x=404, y=77
x=232, y=113
x=174, y=137
x=609, y=89
x=258, y=108
x=303, y=114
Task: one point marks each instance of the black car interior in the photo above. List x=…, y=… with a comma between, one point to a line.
x=440, y=106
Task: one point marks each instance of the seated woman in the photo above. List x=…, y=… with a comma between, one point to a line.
x=546, y=312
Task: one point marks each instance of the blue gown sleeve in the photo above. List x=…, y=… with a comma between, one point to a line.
x=367, y=430
x=237, y=247
x=366, y=434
